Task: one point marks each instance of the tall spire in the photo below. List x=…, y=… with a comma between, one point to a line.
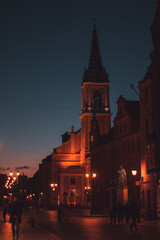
x=95, y=71
x=95, y=58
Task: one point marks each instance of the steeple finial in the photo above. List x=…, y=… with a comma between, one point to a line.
x=95, y=58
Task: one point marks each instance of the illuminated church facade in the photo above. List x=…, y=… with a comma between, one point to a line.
x=96, y=150
x=72, y=158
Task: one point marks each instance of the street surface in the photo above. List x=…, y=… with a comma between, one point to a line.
x=78, y=227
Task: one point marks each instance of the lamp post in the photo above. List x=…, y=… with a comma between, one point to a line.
x=53, y=186
x=89, y=188
x=139, y=183
x=11, y=180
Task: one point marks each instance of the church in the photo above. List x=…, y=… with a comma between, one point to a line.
x=69, y=166
x=82, y=171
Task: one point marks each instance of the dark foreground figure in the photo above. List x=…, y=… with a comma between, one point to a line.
x=134, y=210
x=15, y=217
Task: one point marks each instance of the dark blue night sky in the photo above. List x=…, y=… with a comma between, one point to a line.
x=45, y=46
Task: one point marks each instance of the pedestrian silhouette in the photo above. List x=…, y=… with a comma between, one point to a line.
x=127, y=212
x=112, y=213
x=60, y=213
x=32, y=215
x=120, y=212
x=15, y=216
x=134, y=210
x=5, y=207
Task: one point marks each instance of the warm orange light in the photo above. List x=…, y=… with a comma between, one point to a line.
x=56, y=184
x=11, y=173
x=41, y=193
x=14, y=178
x=53, y=189
x=94, y=175
x=87, y=175
x=52, y=185
x=17, y=173
x=134, y=172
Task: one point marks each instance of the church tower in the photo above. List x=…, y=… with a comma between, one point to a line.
x=95, y=97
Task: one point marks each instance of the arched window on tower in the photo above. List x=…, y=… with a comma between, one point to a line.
x=97, y=101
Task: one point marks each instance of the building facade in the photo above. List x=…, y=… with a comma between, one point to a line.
x=149, y=89
x=85, y=166
x=121, y=146
x=134, y=143
x=69, y=165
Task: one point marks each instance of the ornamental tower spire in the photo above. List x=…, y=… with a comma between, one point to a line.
x=95, y=96
x=95, y=58
x=95, y=71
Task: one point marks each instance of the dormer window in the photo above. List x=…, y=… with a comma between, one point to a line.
x=120, y=111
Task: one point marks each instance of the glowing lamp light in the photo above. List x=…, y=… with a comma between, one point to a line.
x=87, y=175
x=134, y=172
x=17, y=173
x=94, y=175
x=11, y=173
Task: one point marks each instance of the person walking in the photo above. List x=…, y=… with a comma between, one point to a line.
x=134, y=211
x=127, y=212
x=60, y=213
x=120, y=212
x=15, y=216
x=32, y=215
x=112, y=214
x=5, y=207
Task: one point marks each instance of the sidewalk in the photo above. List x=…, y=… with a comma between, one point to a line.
x=26, y=232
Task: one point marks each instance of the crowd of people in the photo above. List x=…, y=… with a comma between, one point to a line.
x=121, y=213
x=14, y=209
x=118, y=214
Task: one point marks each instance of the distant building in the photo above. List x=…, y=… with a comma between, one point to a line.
x=3, y=180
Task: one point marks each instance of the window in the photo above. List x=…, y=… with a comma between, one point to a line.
x=72, y=181
x=97, y=100
x=147, y=127
x=120, y=111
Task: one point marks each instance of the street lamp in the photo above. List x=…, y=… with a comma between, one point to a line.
x=89, y=187
x=134, y=172
x=53, y=186
x=94, y=175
